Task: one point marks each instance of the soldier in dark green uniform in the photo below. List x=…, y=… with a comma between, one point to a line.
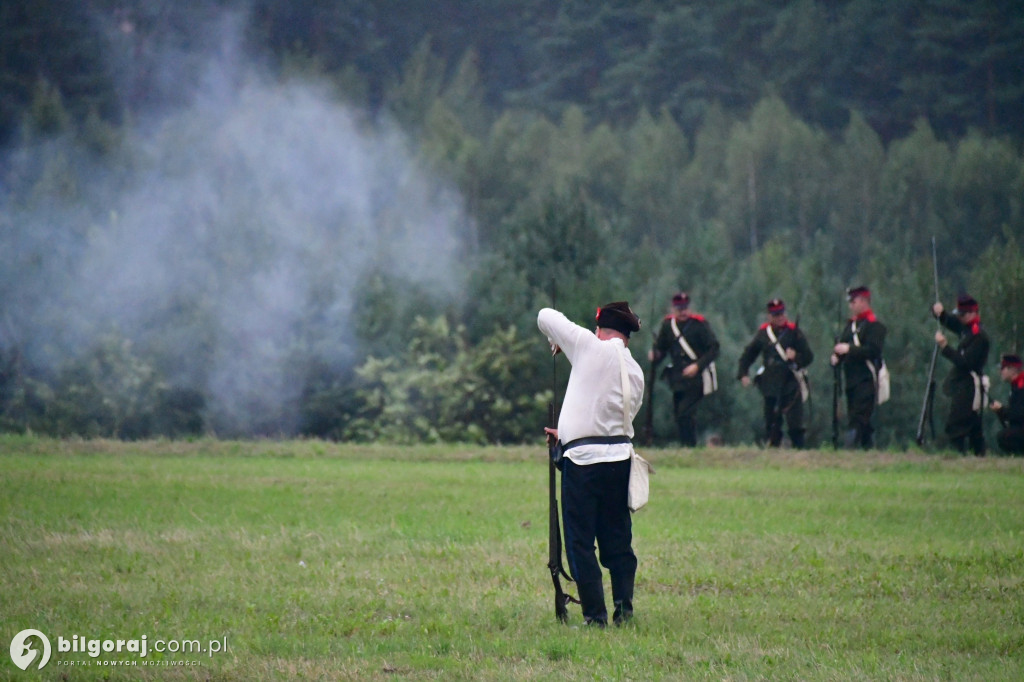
x=781, y=379
x=686, y=339
x=965, y=384
x=859, y=349
x=1011, y=437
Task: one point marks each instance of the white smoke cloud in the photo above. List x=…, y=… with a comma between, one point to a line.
x=234, y=244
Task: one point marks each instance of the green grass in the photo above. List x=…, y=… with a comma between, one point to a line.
x=322, y=561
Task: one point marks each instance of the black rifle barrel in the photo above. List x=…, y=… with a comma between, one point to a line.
x=555, y=566
x=929, y=393
x=555, y=533
x=648, y=434
x=649, y=415
x=837, y=385
x=929, y=400
x=835, y=403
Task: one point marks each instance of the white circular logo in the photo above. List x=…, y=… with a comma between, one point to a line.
x=22, y=652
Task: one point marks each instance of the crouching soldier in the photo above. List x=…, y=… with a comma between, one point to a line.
x=1011, y=438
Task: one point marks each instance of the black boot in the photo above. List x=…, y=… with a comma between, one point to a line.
x=623, y=612
x=866, y=437
x=592, y=603
x=622, y=596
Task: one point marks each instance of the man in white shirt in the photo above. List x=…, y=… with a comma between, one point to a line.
x=595, y=428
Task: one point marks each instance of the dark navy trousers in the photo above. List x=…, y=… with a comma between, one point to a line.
x=594, y=508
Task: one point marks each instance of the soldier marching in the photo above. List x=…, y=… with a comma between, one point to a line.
x=686, y=349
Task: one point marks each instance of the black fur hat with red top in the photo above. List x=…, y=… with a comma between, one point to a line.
x=618, y=316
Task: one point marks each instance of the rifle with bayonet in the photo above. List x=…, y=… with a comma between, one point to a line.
x=928, y=405
x=837, y=383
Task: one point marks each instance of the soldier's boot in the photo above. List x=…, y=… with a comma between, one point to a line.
x=622, y=597
x=796, y=437
x=977, y=440
x=592, y=603
x=866, y=437
x=960, y=444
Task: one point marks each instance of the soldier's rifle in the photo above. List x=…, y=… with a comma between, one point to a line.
x=837, y=387
x=835, y=405
x=648, y=434
x=557, y=570
x=837, y=380
x=928, y=405
x=555, y=567
x=802, y=380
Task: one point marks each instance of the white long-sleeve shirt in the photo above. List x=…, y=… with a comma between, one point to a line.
x=593, y=398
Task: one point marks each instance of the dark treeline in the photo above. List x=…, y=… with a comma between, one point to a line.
x=740, y=151
x=958, y=64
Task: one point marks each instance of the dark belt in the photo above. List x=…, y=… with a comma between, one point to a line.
x=596, y=440
x=558, y=449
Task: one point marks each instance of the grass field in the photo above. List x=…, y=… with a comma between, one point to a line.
x=320, y=561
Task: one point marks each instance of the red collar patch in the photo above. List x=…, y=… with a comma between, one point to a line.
x=868, y=315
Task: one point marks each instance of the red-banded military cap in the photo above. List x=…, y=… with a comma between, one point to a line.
x=776, y=306
x=856, y=292
x=1011, y=360
x=681, y=300
x=966, y=304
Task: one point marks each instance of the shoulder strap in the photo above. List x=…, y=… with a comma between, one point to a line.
x=775, y=341
x=682, y=341
x=627, y=395
x=870, y=363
